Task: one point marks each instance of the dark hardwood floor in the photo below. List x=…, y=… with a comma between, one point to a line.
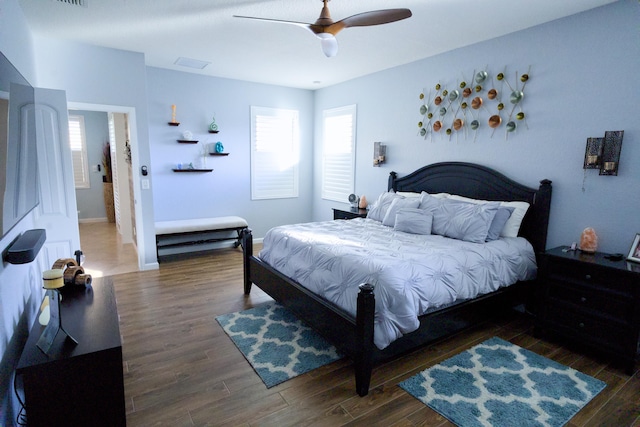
x=180, y=369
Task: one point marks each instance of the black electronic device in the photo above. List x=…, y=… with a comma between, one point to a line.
x=25, y=248
x=614, y=257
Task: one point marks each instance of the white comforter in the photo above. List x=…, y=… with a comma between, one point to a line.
x=411, y=273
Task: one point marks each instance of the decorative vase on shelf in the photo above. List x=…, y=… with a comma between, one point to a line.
x=213, y=127
x=219, y=147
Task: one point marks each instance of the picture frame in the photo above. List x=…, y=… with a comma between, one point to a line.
x=634, y=251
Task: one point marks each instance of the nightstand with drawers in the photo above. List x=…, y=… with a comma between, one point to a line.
x=349, y=214
x=592, y=301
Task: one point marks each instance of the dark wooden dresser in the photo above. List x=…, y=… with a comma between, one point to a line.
x=77, y=385
x=349, y=213
x=592, y=301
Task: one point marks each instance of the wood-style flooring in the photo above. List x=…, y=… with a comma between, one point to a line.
x=105, y=253
x=180, y=369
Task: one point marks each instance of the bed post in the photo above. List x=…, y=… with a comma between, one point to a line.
x=542, y=205
x=247, y=252
x=391, y=185
x=364, y=331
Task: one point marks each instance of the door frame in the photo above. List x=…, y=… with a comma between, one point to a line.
x=133, y=135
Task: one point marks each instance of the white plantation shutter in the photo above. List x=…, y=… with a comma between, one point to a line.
x=114, y=169
x=78, y=145
x=275, y=141
x=338, y=152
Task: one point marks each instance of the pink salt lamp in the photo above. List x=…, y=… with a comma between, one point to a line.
x=363, y=202
x=588, y=240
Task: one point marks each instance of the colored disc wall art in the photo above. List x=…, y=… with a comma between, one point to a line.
x=481, y=101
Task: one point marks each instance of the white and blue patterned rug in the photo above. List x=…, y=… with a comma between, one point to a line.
x=276, y=343
x=497, y=383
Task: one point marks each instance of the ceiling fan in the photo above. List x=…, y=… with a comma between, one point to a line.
x=326, y=29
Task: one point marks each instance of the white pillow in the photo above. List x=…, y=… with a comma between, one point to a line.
x=408, y=194
x=512, y=227
x=397, y=204
x=381, y=205
x=414, y=221
x=437, y=195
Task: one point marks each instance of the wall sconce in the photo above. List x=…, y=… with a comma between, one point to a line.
x=604, y=153
x=593, y=153
x=611, y=152
x=379, y=153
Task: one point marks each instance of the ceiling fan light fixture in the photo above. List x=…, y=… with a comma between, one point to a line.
x=326, y=28
x=329, y=44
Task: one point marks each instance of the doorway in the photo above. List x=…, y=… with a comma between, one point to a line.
x=108, y=241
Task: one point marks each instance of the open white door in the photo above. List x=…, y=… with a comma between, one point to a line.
x=56, y=212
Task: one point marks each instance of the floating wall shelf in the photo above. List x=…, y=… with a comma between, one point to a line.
x=174, y=123
x=187, y=141
x=218, y=154
x=214, y=131
x=193, y=170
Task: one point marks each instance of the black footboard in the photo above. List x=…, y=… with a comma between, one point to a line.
x=353, y=337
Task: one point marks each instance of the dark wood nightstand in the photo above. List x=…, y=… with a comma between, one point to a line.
x=349, y=214
x=592, y=301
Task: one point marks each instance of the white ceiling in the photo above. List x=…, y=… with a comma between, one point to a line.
x=286, y=55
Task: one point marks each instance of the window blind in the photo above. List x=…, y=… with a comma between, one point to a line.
x=338, y=153
x=78, y=144
x=275, y=140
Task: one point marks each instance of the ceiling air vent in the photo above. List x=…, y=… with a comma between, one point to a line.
x=81, y=3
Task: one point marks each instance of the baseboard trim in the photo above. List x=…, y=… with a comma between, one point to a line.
x=89, y=220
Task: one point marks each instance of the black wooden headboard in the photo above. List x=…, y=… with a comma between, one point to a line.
x=480, y=182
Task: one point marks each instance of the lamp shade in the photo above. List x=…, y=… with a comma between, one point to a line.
x=329, y=44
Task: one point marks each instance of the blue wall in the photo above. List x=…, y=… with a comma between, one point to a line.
x=90, y=200
x=583, y=82
x=19, y=284
x=111, y=78
x=227, y=190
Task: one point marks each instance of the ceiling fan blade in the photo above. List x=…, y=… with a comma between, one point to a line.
x=299, y=24
x=375, y=17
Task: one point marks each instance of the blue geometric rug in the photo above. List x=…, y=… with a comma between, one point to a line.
x=276, y=343
x=497, y=383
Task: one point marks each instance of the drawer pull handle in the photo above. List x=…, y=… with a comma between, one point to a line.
x=583, y=299
x=588, y=277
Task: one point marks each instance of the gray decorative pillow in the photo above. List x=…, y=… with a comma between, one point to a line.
x=381, y=205
x=415, y=221
x=390, y=217
x=502, y=216
x=460, y=220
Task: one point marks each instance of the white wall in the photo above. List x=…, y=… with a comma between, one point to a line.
x=583, y=83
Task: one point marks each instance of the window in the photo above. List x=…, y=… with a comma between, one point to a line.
x=275, y=141
x=78, y=144
x=338, y=153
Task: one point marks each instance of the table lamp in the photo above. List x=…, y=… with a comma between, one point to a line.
x=52, y=281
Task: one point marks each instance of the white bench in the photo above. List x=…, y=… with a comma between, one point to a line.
x=187, y=236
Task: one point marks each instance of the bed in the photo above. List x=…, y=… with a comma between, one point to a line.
x=353, y=334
